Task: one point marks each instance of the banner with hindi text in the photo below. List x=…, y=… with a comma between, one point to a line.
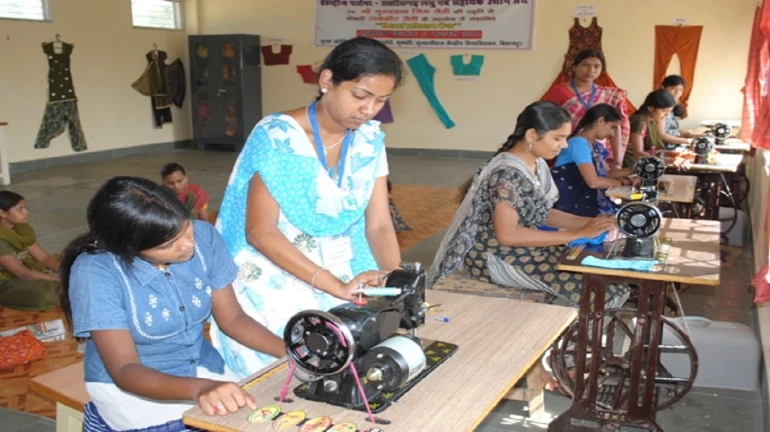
x=459, y=24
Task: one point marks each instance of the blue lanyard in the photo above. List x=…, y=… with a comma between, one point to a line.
x=320, y=147
x=580, y=96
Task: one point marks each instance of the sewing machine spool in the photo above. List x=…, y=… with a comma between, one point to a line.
x=639, y=221
x=703, y=146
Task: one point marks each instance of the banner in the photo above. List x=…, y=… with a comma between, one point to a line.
x=459, y=24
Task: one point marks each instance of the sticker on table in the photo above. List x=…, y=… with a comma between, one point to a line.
x=671, y=269
x=657, y=268
x=318, y=424
x=289, y=420
x=374, y=430
x=344, y=427
x=264, y=414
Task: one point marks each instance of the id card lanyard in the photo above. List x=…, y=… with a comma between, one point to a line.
x=320, y=148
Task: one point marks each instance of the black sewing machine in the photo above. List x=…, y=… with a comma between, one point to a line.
x=649, y=170
x=720, y=132
x=640, y=222
x=355, y=345
x=702, y=147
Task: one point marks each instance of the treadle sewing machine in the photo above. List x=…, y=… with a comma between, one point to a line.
x=639, y=221
x=352, y=355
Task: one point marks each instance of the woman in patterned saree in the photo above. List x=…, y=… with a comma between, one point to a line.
x=305, y=214
x=580, y=94
x=494, y=232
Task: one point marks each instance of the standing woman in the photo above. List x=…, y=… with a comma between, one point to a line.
x=581, y=93
x=305, y=213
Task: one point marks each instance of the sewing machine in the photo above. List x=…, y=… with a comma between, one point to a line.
x=649, y=170
x=352, y=355
x=720, y=132
x=703, y=146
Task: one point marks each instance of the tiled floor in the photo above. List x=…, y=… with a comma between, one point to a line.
x=57, y=199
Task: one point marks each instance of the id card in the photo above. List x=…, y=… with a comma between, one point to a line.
x=336, y=251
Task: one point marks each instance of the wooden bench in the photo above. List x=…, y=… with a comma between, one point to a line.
x=66, y=387
x=460, y=282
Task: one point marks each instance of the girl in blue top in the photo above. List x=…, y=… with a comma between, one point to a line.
x=580, y=172
x=139, y=285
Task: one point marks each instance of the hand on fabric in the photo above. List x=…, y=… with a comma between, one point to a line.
x=217, y=397
x=597, y=226
x=368, y=279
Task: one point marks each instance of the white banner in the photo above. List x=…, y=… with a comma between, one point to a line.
x=459, y=24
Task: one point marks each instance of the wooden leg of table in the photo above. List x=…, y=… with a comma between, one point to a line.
x=68, y=419
x=533, y=393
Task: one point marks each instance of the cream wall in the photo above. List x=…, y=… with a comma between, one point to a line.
x=108, y=57
x=485, y=109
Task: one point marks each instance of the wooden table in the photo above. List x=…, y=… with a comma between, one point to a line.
x=498, y=339
x=681, y=189
x=733, y=145
x=65, y=386
x=725, y=163
x=693, y=258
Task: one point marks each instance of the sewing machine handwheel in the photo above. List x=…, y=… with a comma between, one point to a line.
x=639, y=219
x=649, y=168
x=319, y=342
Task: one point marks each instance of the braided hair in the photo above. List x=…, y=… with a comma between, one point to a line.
x=541, y=116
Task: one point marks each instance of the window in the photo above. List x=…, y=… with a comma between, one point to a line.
x=162, y=14
x=33, y=10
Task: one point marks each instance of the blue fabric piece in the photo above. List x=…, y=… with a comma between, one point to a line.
x=578, y=151
x=547, y=228
x=163, y=310
x=592, y=241
x=619, y=264
x=93, y=422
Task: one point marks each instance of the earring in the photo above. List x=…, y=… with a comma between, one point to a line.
x=324, y=90
x=529, y=143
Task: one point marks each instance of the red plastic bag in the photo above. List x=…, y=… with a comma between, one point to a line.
x=19, y=349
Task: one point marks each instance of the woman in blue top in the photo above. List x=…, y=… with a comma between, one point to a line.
x=305, y=214
x=580, y=172
x=139, y=285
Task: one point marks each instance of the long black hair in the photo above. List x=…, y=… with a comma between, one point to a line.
x=126, y=216
x=541, y=116
x=361, y=56
x=673, y=81
x=658, y=99
x=9, y=199
x=587, y=54
x=608, y=112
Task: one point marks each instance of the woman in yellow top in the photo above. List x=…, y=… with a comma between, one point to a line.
x=28, y=278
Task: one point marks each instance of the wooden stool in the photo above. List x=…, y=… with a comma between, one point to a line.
x=460, y=282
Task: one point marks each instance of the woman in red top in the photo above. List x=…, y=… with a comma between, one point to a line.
x=581, y=93
x=192, y=195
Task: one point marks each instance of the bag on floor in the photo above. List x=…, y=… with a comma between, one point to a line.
x=19, y=349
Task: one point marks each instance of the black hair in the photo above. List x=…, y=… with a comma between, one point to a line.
x=673, y=81
x=9, y=199
x=587, y=54
x=658, y=99
x=171, y=168
x=541, y=116
x=608, y=112
x=361, y=56
x=127, y=215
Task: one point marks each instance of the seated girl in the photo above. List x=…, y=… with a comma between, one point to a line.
x=28, y=278
x=140, y=284
x=192, y=195
x=668, y=128
x=645, y=138
x=580, y=172
x=494, y=233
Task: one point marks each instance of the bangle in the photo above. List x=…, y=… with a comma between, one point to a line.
x=312, y=280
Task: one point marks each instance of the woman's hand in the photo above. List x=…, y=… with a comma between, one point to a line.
x=597, y=226
x=52, y=277
x=217, y=397
x=681, y=163
x=624, y=181
x=369, y=278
